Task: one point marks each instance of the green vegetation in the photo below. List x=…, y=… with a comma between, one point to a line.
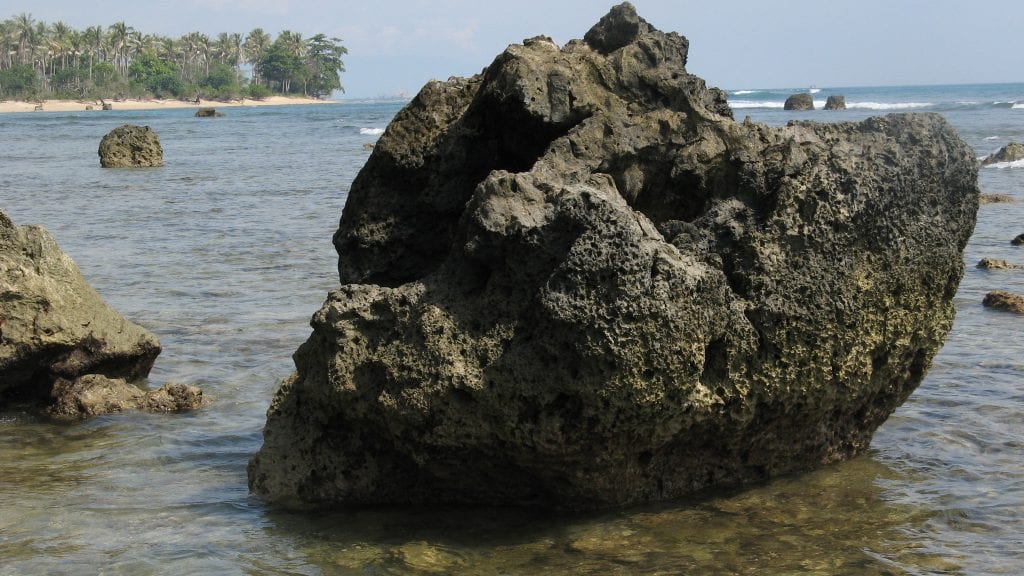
x=40, y=60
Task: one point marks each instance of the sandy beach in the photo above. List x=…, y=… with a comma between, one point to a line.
x=148, y=104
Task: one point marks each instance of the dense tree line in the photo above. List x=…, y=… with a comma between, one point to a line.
x=40, y=60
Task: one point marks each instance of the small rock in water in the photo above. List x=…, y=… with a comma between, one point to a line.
x=996, y=264
x=801, y=101
x=996, y=199
x=208, y=113
x=1018, y=240
x=835, y=102
x=94, y=394
x=1012, y=152
x=1002, y=300
x=131, y=146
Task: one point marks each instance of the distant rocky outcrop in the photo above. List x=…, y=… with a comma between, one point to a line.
x=1012, y=152
x=131, y=146
x=1018, y=240
x=208, y=113
x=1005, y=301
x=55, y=327
x=801, y=101
x=835, y=102
x=575, y=281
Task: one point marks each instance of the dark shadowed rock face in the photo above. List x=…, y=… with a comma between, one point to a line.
x=55, y=326
x=575, y=281
x=802, y=101
x=131, y=146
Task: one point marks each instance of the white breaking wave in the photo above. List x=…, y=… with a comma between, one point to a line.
x=814, y=90
x=1004, y=165
x=1018, y=106
x=993, y=137
x=742, y=92
x=888, y=105
x=753, y=104
x=371, y=131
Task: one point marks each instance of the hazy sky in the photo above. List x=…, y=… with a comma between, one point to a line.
x=397, y=45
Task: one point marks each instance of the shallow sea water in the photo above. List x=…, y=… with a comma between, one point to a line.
x=226, y=252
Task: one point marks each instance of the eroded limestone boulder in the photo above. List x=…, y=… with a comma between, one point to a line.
x=54, y=326
x=130, y=146
x=574, y=280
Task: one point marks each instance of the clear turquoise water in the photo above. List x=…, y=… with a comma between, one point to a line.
x=226, y=252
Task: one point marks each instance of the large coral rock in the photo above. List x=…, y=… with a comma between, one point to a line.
x=53, y=325
x=130, y=146
x=574, y=280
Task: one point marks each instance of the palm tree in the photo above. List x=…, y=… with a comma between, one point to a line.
x=24, y=29
x=92, y=43
x=8, y=43
x=168, y=49
x=119, y=41
x=255, y=46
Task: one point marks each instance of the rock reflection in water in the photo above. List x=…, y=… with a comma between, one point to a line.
x=833, y=521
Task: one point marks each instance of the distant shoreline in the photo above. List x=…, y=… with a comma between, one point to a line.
x=150, y=104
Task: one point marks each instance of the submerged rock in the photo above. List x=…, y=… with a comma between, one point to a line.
x=996, y=264
x=131, y=146
x=208, y=113
x=801, y=101
x=54, y=326
x=1017, y=240
x=835, y=102
x=574, y=280
x=92, y=395
x=1006, y=301
x=1012, y=152
x=996, y=199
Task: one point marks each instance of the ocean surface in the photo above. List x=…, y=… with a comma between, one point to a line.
x=226, y=252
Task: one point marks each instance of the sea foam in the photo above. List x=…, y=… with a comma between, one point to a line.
x=753, y=104
x=889, y=105
x=371, y=131
x=1005, y=165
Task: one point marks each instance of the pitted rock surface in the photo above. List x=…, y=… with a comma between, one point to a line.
x=574, y=280
x=130, y=146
